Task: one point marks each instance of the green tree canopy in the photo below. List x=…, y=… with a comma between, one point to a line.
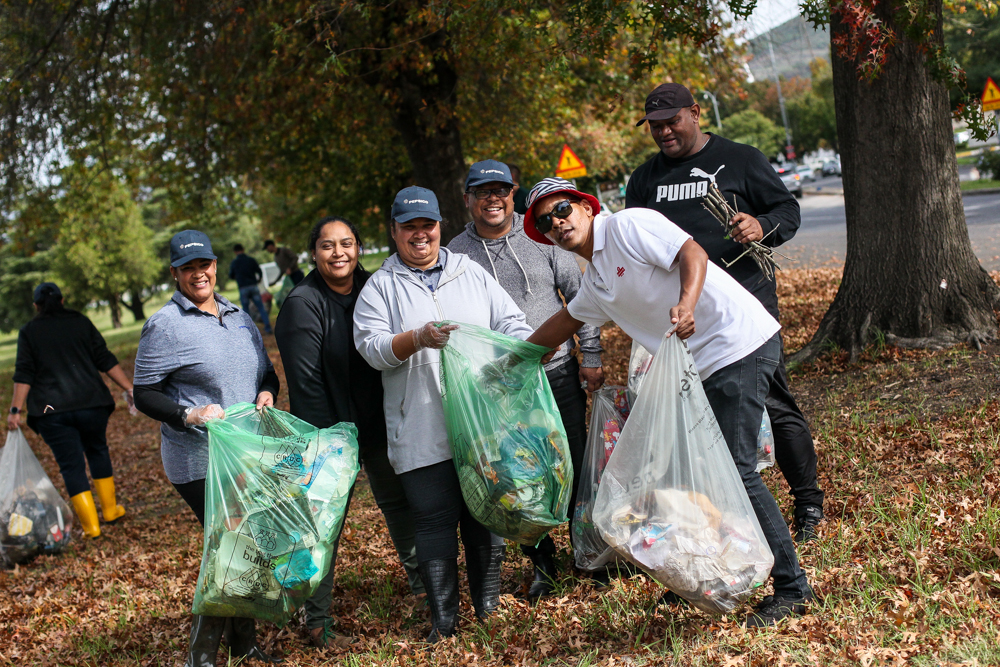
x=752, y=127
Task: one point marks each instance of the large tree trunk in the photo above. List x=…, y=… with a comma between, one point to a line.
x=116, y=311
x=428, y=125
x=910, y=272
x=135, y=304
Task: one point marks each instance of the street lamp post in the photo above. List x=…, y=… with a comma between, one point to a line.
x=715, y=107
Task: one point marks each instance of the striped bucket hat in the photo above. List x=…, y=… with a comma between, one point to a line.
x=544, y=188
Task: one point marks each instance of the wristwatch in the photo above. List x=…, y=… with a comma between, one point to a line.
x=14, y=409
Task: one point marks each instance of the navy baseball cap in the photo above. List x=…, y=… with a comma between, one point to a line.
x=488, y=171
x=665, y=101
x=190, y=244
x=45, y=289
x=415, y=202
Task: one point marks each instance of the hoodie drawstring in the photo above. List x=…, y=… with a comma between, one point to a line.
x=489, y=256
x=526, y=281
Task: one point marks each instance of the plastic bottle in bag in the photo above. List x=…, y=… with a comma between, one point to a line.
x=609, y=410
x=671, y=500
x=507, y=438
x=275, y=498
x=765, y=444
x=34, y=519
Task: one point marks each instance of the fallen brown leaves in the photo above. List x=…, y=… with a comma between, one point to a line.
x=906, y=568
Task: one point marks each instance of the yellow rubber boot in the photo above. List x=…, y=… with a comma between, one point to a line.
x=106, y=494
x=86, y=511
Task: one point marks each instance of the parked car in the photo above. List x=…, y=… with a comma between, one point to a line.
x=831, y=167
x=791, y=179
x=806, y=173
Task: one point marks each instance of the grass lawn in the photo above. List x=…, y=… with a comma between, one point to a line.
x=980, y=184
x=906, y=568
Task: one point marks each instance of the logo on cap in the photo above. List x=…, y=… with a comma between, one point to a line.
x=415, y=201
x=490, y=171
x=188, y=245
x=654, y=103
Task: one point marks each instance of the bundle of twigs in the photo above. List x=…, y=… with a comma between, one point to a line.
x=720, y=209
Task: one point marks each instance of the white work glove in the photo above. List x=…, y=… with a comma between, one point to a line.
x=201, y=414
x=433, y=334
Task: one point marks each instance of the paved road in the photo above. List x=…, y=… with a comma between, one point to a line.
x=822, y=239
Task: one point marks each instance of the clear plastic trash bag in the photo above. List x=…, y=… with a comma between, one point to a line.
x=671, y=500
x=275, y=498
x=639, y=363
x=34, y=519
x=609, y=410
x=507, y=438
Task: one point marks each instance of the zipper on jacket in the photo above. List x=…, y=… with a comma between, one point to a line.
x=438, y=304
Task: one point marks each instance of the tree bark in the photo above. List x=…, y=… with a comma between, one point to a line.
x=910, y=274
x=116, y=311
x=428, y=126
x=135, y=305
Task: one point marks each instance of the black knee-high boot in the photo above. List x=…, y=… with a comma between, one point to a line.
x=241, y=637
x=483, y=565
x=441, y=581
x=206, y=632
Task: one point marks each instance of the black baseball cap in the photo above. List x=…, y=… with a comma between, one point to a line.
x=190, y=244
x=488, y=171
x=44, y=290
x=665, y=101
x=415, y=202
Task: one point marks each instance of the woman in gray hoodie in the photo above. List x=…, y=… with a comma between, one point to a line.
x=395, y=329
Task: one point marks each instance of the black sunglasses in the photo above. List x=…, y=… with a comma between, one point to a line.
x=485, y=194
x=562, y=210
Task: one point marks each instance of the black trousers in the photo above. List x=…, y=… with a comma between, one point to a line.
x=193, y=494
x=438, y=507
x=77, y=438
x=572, y=402
x=794, y=451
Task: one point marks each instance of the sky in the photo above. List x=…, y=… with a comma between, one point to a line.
x=770, y=13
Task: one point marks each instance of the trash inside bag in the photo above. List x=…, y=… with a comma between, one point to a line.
x=639, y=362
x=34, y=519
x=507, y=438
x=608, y=413
x=765, y=444
x=275, y=498
x=671, y=500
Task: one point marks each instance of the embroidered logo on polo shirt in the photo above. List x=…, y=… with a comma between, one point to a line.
x=621, y=271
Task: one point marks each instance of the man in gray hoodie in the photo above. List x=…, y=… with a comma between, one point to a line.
x=534, y=276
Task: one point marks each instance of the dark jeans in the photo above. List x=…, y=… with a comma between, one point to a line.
x=77, y=438
x=736, y=394
x=193, y=494
x=438, y=510
x=391, y=500
x=572, y=403
x=794, y=451
x=252, y=293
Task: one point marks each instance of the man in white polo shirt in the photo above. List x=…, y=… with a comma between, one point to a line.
x=647, y=275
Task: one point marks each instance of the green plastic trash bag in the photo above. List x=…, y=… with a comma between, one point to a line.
x=507, y=438
x=275, y=498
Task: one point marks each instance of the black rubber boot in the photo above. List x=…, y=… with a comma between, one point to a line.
x=545, y=577
x=241, y=638
x=441, y=581
x=483, y=566
x=206, y=633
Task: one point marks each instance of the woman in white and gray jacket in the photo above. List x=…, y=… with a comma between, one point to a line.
x=395, y=329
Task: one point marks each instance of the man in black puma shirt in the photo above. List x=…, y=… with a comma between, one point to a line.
x=673, y=182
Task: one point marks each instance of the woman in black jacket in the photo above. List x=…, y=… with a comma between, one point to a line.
x=329, y=382
x=60, y=358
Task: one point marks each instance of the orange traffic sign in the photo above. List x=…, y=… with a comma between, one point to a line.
x=570, y=165
x=991, y=95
